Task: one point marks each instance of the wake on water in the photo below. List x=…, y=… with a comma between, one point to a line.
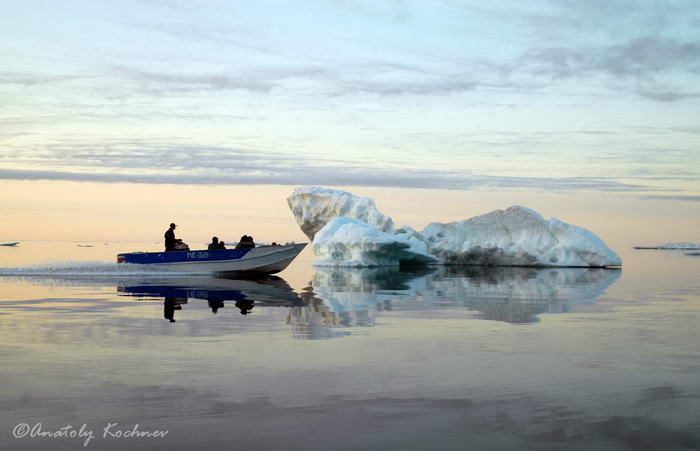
x=84, y=269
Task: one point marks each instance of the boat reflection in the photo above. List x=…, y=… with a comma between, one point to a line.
x=341, y=298
x=244, y=294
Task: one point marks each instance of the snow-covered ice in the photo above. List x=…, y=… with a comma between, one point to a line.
x=352, y=242
x=517, y=236
x=314, y=207
x=348, y=230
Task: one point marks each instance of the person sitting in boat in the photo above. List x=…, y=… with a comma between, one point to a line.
x=172, y=243
x=170, y=239
x=222, y=245
x=245, y=242
x=214, y=245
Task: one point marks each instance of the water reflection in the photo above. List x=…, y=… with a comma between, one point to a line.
x=338, y=299
x=518, y=295
x=341, y=298
x=176, y=292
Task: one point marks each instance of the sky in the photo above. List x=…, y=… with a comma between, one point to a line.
x=459, y=102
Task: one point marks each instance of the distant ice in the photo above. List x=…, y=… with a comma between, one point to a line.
x=517, y=236
x=680, y=245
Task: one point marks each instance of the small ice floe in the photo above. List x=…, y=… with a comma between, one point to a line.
x=516, y=236
x=683, y=245
x=693, y=253
x=85, y=245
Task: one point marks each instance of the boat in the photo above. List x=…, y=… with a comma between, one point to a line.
x=262, y=259
x=10, y=244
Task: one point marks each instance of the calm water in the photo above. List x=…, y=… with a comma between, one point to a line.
x=441, y=358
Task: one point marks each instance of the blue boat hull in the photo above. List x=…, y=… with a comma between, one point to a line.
x=265, y=259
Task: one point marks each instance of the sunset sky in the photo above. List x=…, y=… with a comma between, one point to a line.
x=112, y=111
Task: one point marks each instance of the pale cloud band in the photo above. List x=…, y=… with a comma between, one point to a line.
x=355, y=176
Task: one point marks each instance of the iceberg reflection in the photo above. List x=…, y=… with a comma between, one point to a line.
x=344, y=297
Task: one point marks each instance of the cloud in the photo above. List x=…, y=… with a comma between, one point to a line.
x=255, y=79
x=661, y=65
x=666, y=95
x=688, y=198
x=304, y=174
x=166, y=161
x=36, y=79
x=650, y=65
x=394, y=88
x=639, y=59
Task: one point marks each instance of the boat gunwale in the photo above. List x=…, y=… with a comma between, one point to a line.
x=213, y=250
x=194, y=262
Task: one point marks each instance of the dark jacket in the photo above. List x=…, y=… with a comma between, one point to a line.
x=170, y=240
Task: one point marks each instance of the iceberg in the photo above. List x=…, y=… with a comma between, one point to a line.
x=352, y=242
x=517, y=236
x=314, y=207
x=349, y=230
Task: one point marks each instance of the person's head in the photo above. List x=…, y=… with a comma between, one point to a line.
x=173, y=225
x=214, y=239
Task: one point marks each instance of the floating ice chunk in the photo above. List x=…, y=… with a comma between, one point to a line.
x=517, y=236
x=352, y=242
x=681, y=245
x=586, y=244
x=314, y=207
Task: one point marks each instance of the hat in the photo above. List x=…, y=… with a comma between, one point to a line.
x=172, y=224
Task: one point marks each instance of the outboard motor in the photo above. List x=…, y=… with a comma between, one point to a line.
x=180, y=246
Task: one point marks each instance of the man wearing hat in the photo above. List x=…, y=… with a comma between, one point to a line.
x=170, y=238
